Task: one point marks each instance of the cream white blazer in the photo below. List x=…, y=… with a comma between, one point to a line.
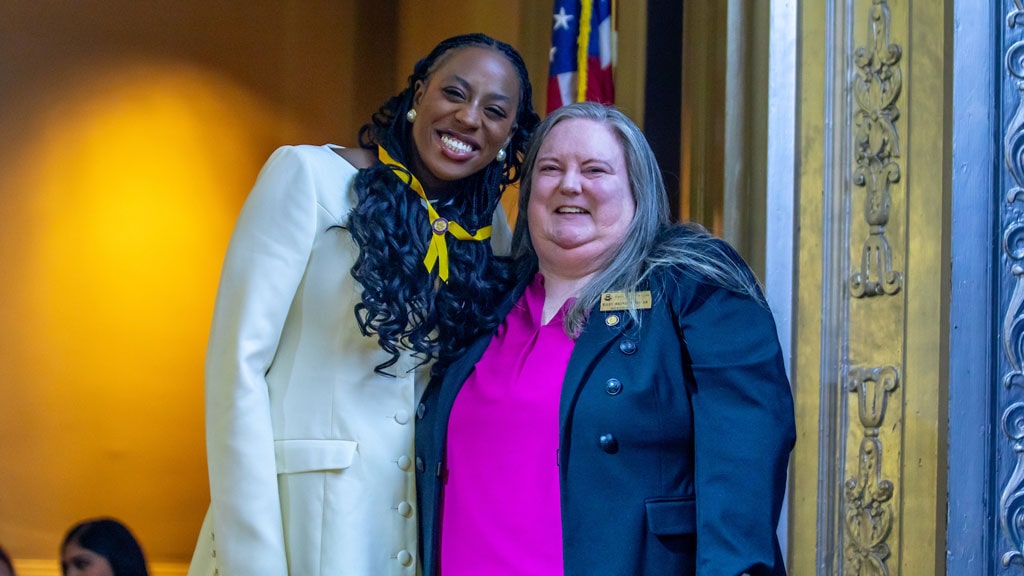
x=310, y=452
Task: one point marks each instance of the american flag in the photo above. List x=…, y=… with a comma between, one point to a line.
x=581, y=40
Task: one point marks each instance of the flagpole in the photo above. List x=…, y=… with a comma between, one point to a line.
x=583, y=49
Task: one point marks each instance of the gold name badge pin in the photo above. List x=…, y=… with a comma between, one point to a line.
x=611, y=301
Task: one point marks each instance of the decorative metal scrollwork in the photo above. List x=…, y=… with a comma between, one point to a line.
x=1013, y=235
x=1016, y=15
x=867, y=510
x=1011, y=501
x=876, y=88
x=1013, y=320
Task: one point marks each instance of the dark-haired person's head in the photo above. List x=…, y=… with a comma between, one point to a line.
x=509, y=109
x=101, y=547
x=460, y=127
x=6, y=566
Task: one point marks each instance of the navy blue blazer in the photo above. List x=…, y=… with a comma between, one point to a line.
x=675, y=438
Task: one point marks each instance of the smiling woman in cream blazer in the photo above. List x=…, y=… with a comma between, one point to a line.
x=292, y=397
x=328, y=315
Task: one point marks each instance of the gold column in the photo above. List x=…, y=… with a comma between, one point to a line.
x=703, y=114
x=724, y=139
x=927, y=213
x=630, y=66
x=807, y=357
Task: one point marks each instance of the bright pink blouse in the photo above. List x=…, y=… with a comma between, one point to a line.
x=501, y=512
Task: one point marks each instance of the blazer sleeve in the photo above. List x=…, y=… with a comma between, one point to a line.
x=264, y=265
x=743, y=427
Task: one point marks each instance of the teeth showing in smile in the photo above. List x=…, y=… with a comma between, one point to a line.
x=456, y=145
x=570, y=210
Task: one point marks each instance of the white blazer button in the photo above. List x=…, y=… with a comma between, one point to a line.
x=402, y=416
x=404, y=462
x=404, y=558
x=405, y=509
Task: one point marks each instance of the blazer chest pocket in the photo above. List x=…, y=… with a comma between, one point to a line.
x=671, y=516
x=297, y=456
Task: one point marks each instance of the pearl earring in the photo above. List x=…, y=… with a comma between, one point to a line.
x=500, y=157
x=411, y=115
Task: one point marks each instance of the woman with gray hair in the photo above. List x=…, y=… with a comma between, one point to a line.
x=631, y=414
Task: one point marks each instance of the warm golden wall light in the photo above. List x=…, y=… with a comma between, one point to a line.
x=115, y=209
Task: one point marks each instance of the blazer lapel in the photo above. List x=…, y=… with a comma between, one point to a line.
x=458, y=372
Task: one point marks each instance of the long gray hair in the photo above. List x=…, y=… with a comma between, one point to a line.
x=651, y=241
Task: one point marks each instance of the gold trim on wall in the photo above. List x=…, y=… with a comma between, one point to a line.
x=868, y=483
x=52, y=568
x=872, y=485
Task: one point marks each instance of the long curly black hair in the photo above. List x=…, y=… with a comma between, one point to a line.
x=403, y=304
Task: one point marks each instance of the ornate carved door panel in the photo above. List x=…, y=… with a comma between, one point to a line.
x=868, y=489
